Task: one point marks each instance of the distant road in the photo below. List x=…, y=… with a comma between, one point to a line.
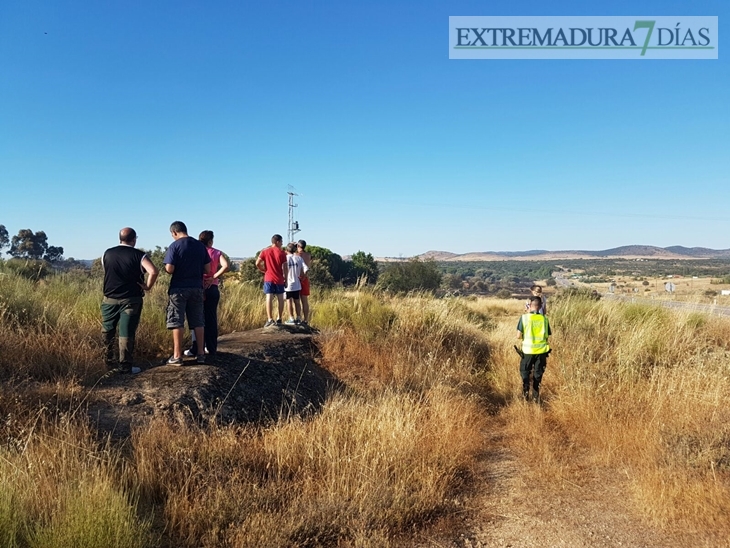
x=562, y=281
x=682, y=305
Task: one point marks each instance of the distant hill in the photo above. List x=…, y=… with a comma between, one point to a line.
x=676, y=252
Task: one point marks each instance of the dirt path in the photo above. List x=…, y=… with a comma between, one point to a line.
x=508, y=510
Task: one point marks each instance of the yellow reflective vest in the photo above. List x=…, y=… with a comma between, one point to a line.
x=535, y=334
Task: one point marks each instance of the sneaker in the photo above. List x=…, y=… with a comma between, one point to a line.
x=278, y=321
x=291, y=321
x=206, y=350
x=304, y=323
x=269, y=323
x=174, y=361
x=200, y=359
x=188, y=354
x=135, y=370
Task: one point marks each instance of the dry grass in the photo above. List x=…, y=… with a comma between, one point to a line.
x=51, y=330
x=634, y=388
x=59, y=487
x=374, y=463
x=705, y=290
x=360, y=466
x=631, y=388
x=410, y=343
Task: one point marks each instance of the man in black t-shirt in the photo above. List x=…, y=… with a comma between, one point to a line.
x=124, y=287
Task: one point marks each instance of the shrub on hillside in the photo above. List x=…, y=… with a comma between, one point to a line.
x=576, y=293
x=411, y=275
x=30, y=269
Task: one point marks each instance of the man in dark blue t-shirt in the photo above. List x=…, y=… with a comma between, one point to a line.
x=187, y=260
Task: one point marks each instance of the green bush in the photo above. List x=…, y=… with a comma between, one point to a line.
x=30, y=269
x=411, y=275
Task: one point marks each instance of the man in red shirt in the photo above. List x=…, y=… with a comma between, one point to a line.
x=272, y=262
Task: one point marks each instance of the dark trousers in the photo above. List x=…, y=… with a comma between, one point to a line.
x=124, y=313
x=210, y=311
x=532, y=364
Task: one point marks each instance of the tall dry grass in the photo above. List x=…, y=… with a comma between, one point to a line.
x=409, y=343
x=59, y=487
x=51, y=329
x=380, y=459
x=358, y=473
x=630, y=388
x=636, y=388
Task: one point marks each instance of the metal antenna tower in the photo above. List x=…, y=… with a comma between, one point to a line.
x=293, y=225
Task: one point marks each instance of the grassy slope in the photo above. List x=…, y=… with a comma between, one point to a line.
x=629, y=387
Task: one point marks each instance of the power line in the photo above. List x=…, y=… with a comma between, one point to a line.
x=293, y=225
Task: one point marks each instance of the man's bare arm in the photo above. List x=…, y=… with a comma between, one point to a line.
x=152, y=273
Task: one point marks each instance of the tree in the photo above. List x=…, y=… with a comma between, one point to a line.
x=248, y=271
x=327, y=261
x=4, y=239
x=29, y=245
x=452, y=281
x=319, y=274
x=53, y=254
x=157, y=256
x=414, y=274
x=363, y=264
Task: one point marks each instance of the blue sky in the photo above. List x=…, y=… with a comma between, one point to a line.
x=138, y=114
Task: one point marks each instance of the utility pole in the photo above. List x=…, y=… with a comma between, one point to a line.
x=293, y=225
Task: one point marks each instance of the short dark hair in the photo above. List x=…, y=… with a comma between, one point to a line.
x=291, y=247
x=537, y=288
x=276, y=238
x=179, y=227
x=302, y=244
x=206, y=237
x=536, y=300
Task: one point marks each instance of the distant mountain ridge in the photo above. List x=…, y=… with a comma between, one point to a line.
x=676, y=252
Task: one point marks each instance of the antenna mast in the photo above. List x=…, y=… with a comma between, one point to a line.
x=293, y=225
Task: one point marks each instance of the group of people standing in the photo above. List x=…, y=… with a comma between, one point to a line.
x=286, y=280
x=195, y=267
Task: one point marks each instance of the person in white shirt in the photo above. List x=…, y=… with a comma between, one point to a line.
x=296, y=267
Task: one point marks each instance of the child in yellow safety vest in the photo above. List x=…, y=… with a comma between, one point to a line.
x=533, y=330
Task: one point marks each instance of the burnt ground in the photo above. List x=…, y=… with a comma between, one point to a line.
x=256, y=376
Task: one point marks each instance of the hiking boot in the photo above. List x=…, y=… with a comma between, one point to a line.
x=174, y=361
